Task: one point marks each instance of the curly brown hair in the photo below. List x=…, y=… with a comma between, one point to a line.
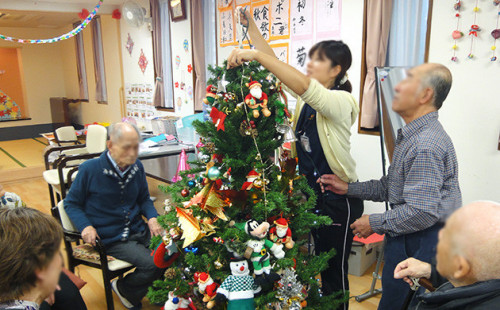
x=29, y=239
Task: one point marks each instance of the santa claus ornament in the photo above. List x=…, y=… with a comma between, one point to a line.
x=208, y=288
x=256, y=100
x=281, y=233
x=211, y=95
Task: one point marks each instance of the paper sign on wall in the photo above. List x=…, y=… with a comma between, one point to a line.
x=302, y=17
x=226, y=23
x=261, y=16
x=222, y=4
x=298, y=54
x=280, y=19
x=281, y=51
x=328, y=19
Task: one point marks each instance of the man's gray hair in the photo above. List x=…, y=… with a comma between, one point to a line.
x=439, y=79
x=115, y=131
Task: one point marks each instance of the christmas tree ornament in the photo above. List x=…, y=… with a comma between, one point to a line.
x=170, y=273
x=165, y=253
x=191, y=249
x=218, y=117
x=208, y=288
x=256, y=100
x=191, y=183
x=211, y=95
x=182, y=166
x=204, y=158
x=184, y=192
x=168, y=205
x=200, y=144
x=213, y=173
x=210, y=147
x=251, y=177
x=290, y=291
x=281, y=233
x=190, y=226
x=218, y=264
x=257, y=250
x=221, y=84
x=238, y=288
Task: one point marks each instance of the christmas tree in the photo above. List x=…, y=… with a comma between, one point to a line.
x=245, y=183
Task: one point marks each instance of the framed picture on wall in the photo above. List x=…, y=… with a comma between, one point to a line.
x=177, y=9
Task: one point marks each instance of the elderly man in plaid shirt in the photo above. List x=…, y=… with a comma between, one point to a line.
x=421, y=186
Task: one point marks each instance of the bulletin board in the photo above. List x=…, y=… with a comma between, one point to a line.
x=291, y=27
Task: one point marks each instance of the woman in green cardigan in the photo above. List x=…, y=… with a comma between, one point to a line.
x=324, y=115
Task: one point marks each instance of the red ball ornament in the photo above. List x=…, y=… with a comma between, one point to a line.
x=184, y=193
x=457, y=15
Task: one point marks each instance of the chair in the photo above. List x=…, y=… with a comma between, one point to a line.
x=65, y=136
x=71, y=156
x=110, y=267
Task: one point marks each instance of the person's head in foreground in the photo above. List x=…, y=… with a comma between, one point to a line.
x=329, y=62
x=30, y=261
x=468, y=249
x=123, y=143
x=422, y=91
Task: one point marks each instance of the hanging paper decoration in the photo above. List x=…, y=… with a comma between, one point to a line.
x=65, y=36
x=185, y=44
x=496, y=32
x=116, y=14
x=190, y=68
x=474, y=29
x=8, y=108
x=456, y=34
x=177, y=61
x=143, y=62
x=130, y=45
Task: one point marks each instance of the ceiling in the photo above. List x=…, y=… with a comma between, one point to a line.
x=34, y=19
x=50, y=13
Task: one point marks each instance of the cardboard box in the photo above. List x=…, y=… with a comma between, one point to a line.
x=362, y=257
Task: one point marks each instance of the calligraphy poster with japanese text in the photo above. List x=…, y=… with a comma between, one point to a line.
x=280, y=19
x=302, y=17
x=261, y=16
x=298, y=54
x=226, y=22
x=222, y=4
x=328, y=19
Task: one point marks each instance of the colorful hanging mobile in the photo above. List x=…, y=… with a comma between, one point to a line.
x=65, y=36
x=456, y=34
x=474, y=29
x=496, y=32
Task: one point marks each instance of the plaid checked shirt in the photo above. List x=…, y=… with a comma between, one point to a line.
x=422, y=183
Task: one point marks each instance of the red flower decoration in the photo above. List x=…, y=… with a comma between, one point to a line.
x=116, y=14
x=83, y=14
x=190, y=68
x=176, y=84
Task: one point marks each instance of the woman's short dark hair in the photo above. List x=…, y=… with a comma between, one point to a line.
x=29, y=239
x=339, y=54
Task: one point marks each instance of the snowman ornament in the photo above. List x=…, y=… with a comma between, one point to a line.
x=239, y=288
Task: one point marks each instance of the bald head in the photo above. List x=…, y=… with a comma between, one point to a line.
x=119, y=131
x=438, y=78
x=475, y=234
x=123, y=143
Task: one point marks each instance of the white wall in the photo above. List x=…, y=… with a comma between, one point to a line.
x=471, y=113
